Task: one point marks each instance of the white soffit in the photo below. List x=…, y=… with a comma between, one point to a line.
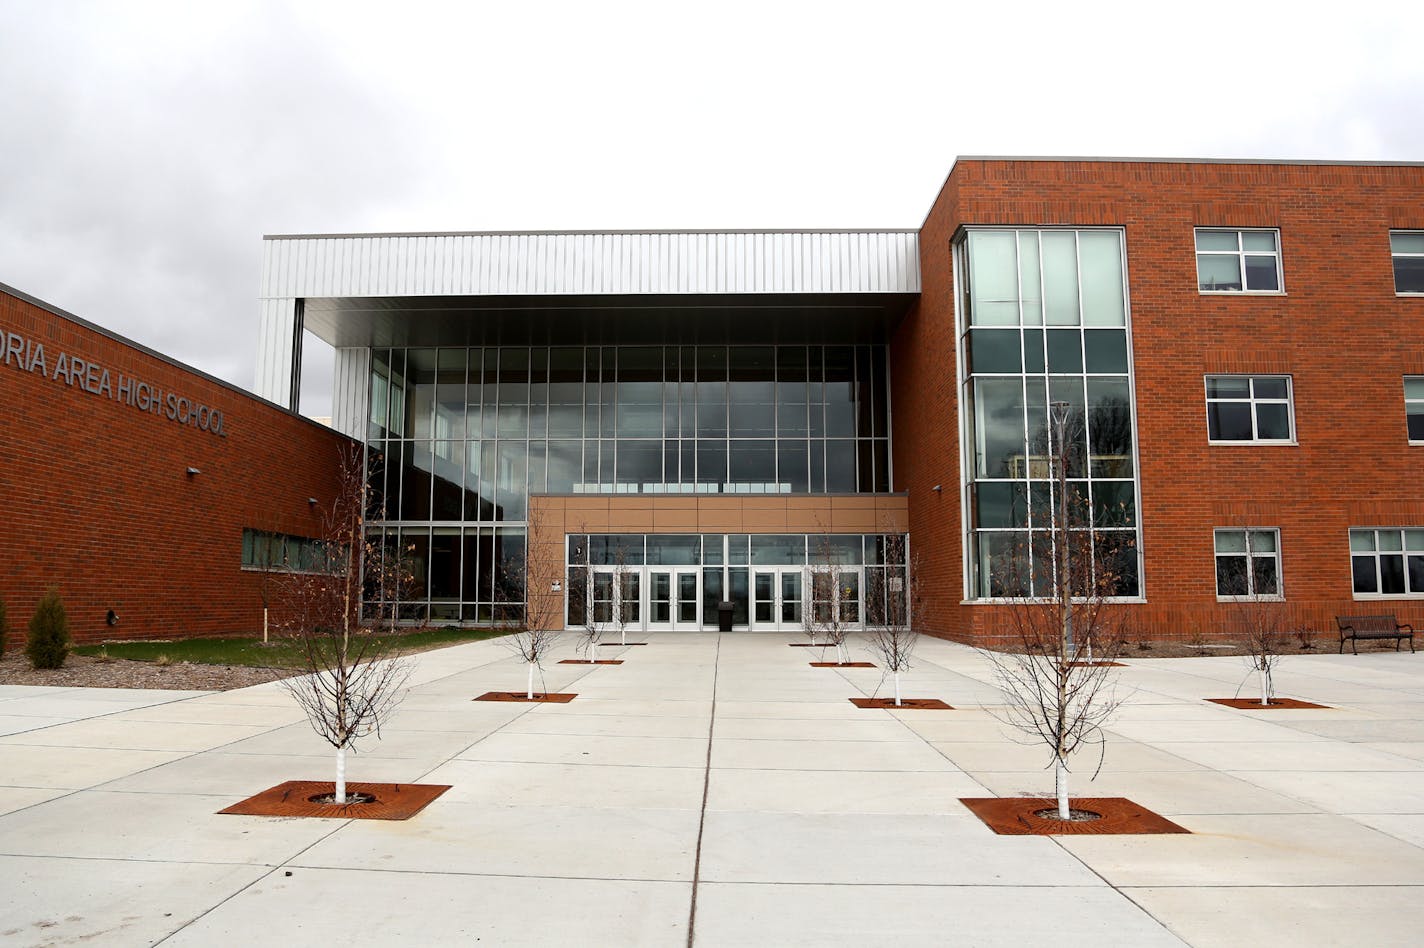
x=622, y=263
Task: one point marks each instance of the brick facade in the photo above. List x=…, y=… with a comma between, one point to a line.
x=96, y=496
x=1339, y=331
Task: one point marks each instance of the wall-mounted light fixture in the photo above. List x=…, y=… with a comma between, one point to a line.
x=936, y=488
x=311, y=501
x=111, y=618
x=192, y=471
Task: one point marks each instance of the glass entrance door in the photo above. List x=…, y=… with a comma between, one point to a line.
x=672, y=599
x=616, y=600
x=777, y=599
x=835, y=598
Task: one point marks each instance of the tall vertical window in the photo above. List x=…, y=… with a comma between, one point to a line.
x=1044, y=319
x=1407, y=250
x=1414, y=407
x=1387, y=562
x=1248, y=563
x=1238, y=261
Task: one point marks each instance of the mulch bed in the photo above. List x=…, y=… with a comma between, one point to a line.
x=920, y=704
x=392, y=801
x=1117, y=816
x=1254, y=704
x=806, y=645
x=585, y=661
x=842, y=665
x=545, y=698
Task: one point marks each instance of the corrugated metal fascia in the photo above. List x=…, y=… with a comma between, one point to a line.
x=636, y=263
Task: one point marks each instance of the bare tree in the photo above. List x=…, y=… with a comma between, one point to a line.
x=543, y=612
x=354, y=676
x=834, y=604
x=1246, y=571
x=628, y=607
x=894, y=636
x=1057, y=584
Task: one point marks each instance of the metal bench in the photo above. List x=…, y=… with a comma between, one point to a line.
x=1355, y=628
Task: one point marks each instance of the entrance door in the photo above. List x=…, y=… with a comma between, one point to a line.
x=616, y=600
x=835, y=598
x=672, y=599
x=777, y=599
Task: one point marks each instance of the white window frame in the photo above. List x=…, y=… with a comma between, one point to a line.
x=1240, y=254
x=1251, y=595
x=1417, y=400
x=1253, y=401
x=1406, y=550
x=1395, y=254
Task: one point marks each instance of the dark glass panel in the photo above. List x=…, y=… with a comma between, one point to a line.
x=415, y=487
x=840, y=466
x=739, y=592
x=817, y=453
x=1114, y=504
x=752, y=462
x=999, y=422
x=1228, y=421
x=669, y=549
x=1000, y=504
x=1269, y=386
x=712, y=548
x=1263, y=575
x=839, y=391
x=670, y=465
x=375, y=482
x=864, y=395
x=420, y=392
x=449, y=478
x=639, y=462
x=1261, y=273
x=882, y=466
x=1391, y=574
x=489, y=394
x=711, y=596
x=752, y=409
x=469, y=566
x=881, y=392
x=640, y=392
x=1065, y=351
x=1110, y=427
x=616, y=549
x=577, y=595
x=509, y=565
x=1414, y=418
x=1227, y=386
x=791, y=364
x=445, y=565
x=1273, y=422
x=488, y=466
x=565, y=466
x=1416, y=574
x=672, y=415
x=1409, y=274
x=538, y=451
x=791, y=466
x=450, y=395
x=512, y=480
x=711, y=462
x=1105, y=351
x=778, y=550
x=1033, y=351
x=994, y=350
x=578, y=548
x=590, y=462
x=415, y=543
x=737, y=545
x=816, y=409
x=660, y=597
x=841, y=549
x=380, y=394
x=1363, y=570
x=865, y=465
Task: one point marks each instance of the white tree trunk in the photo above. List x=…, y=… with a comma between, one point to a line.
x=593, y=651
x=1265, y=675
x=264, y=625
x=529, y=686
x=341, y=774
x=1060, y=785
x=897, y=689
x=623, y=636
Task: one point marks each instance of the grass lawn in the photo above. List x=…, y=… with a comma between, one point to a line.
x=278, y=654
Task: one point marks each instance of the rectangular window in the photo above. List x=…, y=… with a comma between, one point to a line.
x=1238, y=261
x=1248, y=563
x=1387, y=562
x=1407, y=249
x=1414, y=407
x=1254, y=408
x=280, y=553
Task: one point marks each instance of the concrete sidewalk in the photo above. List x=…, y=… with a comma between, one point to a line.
x=722, y=783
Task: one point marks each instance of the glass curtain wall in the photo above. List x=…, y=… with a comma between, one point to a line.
x=460, y=437
x=1044, y=319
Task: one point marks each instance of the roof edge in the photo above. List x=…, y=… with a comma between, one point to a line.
x=594, y=233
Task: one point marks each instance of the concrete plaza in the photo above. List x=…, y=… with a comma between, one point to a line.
x=718, y=789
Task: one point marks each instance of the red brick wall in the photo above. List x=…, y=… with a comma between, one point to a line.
x=1339, y=331
x=97, y=503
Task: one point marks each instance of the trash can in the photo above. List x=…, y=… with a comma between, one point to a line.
x=724, y=615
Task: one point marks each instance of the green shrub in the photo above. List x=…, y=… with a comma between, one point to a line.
x=48, y=644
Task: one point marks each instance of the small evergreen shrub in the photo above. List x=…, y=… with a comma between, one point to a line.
x=48, y=644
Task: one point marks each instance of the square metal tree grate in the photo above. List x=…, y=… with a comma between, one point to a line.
x=391, y=801
x=1113, y=816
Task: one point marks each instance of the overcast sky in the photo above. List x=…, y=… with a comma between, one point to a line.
x=147, y=147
